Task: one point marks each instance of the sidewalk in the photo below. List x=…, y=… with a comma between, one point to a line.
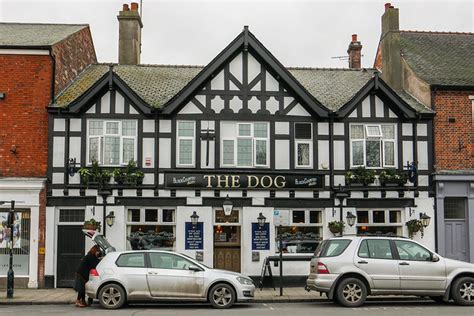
x=68, y=296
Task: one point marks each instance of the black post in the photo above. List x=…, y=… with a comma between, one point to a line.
x=104, y=208
x=281, y=260
x=11, y=274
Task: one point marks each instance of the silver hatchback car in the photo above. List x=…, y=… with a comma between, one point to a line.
x=164, y=275
x=349, y=268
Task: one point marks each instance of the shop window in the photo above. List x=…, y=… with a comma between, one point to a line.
x=304, y=235
x=151, y=229
x=454, y=208
x=373, y=146
x=303, y=145
x=21, y=242
x=70, y=216
x=379, y=222
x=111, y=143
x=186, y=143
x=245, y=144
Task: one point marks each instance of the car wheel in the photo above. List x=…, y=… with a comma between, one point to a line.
x=112, y=296
x=438, y=299
x=351, y=292
x=222, y=296
x=90, y=301
x=463, y=291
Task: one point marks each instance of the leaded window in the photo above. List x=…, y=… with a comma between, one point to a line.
x=303, y=145
x=186, y=143
x=112, y=142
x=373, y=145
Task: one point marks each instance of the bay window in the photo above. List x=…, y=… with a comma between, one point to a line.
x=245, y=144
x=373, y=145
x=111, y=143
x=303, y=145
x=186, y=143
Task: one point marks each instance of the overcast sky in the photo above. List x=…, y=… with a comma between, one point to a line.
x=299, y=33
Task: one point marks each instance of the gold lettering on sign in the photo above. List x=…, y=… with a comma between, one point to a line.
x=280, y=182
x=220, y=181
x=209, y=178
x=263, y=179
x=235, y=181
x=250, y=182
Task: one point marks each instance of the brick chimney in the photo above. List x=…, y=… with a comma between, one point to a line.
x=130, y=34
x=390, y=46
x=354, y=52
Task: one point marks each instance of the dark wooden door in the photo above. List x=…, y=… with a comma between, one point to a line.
x=71, y=247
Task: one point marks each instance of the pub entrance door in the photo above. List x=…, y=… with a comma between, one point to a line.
x=227, y=247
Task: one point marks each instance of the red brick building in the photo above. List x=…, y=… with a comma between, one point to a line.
x=36, y=62
x=437, y=68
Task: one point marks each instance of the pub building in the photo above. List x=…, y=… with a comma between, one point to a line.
x=219, y=147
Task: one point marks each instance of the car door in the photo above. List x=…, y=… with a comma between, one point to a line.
x=418, y=271
x=376, y=258
x=169, y=276
x=131, y=270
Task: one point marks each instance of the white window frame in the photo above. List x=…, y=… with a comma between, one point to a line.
x=254, y=147
x=193, y=142
x=386, y=222
x=304, y=141
x=306, y=217
x=382, y=144
x=101, y=139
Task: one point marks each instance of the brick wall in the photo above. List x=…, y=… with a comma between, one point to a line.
x=453, y=149
x=72, y=55
x=26, y=81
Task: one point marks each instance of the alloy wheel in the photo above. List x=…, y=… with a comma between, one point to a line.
x=467, y=291
x=222, y=296
x=111, y=296
x=352, y=292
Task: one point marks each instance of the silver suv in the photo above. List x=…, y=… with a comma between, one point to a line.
x=349, y=268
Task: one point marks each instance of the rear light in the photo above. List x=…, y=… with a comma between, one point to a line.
x=94, y=273
x=322, y=269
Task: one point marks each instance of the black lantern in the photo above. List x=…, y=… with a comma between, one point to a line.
x=194, y=219
x=110, y=219
x=350, y=218
x=425, y=219
x=261, y=220
x=227, y=206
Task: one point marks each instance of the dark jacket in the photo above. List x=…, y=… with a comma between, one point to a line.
x=89, y=262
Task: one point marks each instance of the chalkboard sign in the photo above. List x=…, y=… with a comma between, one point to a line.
x=194, y=236
x=260, y=237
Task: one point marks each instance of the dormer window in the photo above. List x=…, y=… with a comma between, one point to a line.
x=111, y=143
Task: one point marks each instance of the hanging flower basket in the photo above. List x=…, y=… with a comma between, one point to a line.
x=414, y=226
x=92, y=224
x=336, y=227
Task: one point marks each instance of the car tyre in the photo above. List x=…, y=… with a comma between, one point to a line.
x=222, y=296
x=463, y=291
x=351, y=292
x=112, y=296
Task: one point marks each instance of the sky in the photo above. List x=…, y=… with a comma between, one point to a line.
x=307, y=33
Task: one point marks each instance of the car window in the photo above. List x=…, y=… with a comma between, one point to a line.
x=375, y=249
x=168, y=261
x=131, y=260
x=332, y=248
x=408, y=250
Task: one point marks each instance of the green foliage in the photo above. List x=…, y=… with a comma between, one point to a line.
x=360, y=175
x=393, y=176
x=95, y=174
x=131, y=174
x=414, y=226
x=92, y=224
x=336, y=227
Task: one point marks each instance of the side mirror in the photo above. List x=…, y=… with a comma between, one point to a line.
x=194, y=268
x=434, y=258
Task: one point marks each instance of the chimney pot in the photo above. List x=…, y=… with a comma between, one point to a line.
x=354, y=37
x=130, y=35
x=388, y=5
x=125, y=7
x=134, y=6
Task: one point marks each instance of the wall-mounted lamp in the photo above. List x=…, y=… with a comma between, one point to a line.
x=227, y=206
x=425, y=219
x=194, y=219
x=261, y=220
x=110, y=219
x=72, y=167
x=350, y=218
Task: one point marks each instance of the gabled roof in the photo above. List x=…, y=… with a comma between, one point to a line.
x=440, y=58
x=246, y=41
x=34, y=34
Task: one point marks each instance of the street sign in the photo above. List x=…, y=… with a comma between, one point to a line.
x=281, y=217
